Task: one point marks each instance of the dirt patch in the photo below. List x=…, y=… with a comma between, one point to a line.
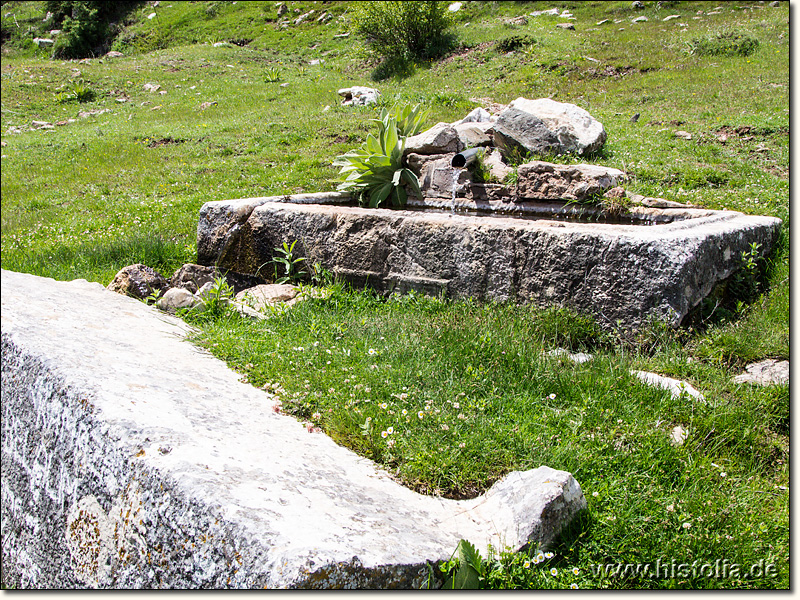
x=463, y=52
x=153, y=143
x=749, y=132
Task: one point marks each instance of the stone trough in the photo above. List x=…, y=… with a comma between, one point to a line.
x=660, y=261
x=132, y=459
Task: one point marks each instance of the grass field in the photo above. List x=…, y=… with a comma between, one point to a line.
x=468, y=389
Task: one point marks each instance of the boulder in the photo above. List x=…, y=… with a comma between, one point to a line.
x=573, y=128
x=539, y=180
x=192, y=277
x=765, y=372
x=518, y=133
x=138, y=281
x=358, y=96
x=439, y=139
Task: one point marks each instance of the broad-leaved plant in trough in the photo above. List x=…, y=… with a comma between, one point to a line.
x=375, y=173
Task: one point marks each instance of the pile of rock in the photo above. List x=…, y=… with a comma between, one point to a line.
x=192, y=285
x=525, y=127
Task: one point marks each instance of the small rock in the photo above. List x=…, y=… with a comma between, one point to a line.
x=494, y=162
x=43, y=42
x=176, y=298
x=478, y=115
x=552, y=12
x=682, y=134
x=641, y=19
x=262, y=296
x=566, y=26
x=669, y=18
x=603, y=22
x=766, y=372
x=675, y=386
x=138, y=281
x=151, y=87
x=114, y=54
x=303, y=17
x=282, y=9
x=579, y=357
x=41, y=125
x=316, y=61
x=55, y=31
x=151, y=16
x=220, y=44
x=677, y=436
x=192, y=277
x=635, y=118
x=342, y=35
x=455, y=7
x=775, y=4
x=208, y=104
x=637, y=4
x=359, y=96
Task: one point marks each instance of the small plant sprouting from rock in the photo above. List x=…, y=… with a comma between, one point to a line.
x=216, y=302
x=290, y=265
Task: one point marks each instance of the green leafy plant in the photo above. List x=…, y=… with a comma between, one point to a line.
x=375, y=172
x=77, y=91
x=273, y=75
x=291, y=265
x=216, y=302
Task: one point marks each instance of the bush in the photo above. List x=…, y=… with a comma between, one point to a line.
x=725, y=44
x=404, y=30
x=87, y=25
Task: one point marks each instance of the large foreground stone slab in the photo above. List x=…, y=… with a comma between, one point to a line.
x=131, y=459
x=620, y=273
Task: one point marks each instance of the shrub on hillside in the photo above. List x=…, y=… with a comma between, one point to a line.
x=404, y=30
x=88, y=26
x=725, y=44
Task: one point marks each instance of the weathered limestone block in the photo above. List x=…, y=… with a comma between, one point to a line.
x=548, y=181
x=625, y=273
x=442, y=138
x=149, y=464
x=138, y=281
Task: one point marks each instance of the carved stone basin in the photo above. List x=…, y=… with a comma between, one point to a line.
x=660, y=262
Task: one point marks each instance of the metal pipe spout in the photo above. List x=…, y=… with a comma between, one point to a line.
x=462, y=159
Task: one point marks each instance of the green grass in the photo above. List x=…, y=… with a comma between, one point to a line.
x=91, y=196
